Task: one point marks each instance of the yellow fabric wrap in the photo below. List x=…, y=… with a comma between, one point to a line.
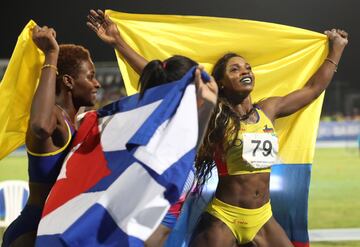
x=17, y=89
x=283, y=58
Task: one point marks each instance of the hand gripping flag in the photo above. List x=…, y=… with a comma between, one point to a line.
x=17, y=89
x=128, y=162
x=283, y=58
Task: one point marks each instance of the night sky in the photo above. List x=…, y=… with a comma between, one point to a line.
x=69, y=17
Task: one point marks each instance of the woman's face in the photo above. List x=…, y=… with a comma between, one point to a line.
x=85, y=85
x=238, y=76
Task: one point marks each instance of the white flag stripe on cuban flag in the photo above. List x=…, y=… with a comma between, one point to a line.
x=54, y=222
x=106, y=196
x=127, y=123
x=163, y=148
x=142, y=211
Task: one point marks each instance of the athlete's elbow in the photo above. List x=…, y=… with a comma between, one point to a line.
x=41, y=129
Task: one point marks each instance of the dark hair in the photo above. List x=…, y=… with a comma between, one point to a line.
x=219, y=128
x=220, y=66
x=69, y=61
x=157, y=73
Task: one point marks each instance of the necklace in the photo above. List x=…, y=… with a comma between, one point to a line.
x=66, y=114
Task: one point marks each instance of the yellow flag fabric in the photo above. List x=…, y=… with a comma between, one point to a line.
x=17, y=89
x=283, y=58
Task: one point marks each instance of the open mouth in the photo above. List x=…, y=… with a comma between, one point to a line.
x=246, y=80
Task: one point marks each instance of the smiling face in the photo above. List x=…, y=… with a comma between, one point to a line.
x=238, y=77
x=85, y=85
x=76, y=75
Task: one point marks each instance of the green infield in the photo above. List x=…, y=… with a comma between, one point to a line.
x=13, y=167
x=333, y=202
x=334, y=199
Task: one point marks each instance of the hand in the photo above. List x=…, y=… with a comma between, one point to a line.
x=206, y=92
x=338, y=39
x=104, y=27
x=45, y=39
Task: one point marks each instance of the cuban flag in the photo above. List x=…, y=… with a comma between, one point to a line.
x=128, y=163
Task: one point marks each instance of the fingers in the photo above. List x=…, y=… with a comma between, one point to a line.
x=45, y=39
x=95, y=14
x=202, y=82
x=213, y=85
x=105, y=18
x=101, y=13
x=204, y=76
x=212, y=81
x=342, y=33
x=96, y=18
x=91, y=26
x=330, y=33
x=108, y=21
x=197, y=78
x=92, y=18
x=35, y=29
x=335, y=33
x=52, y=32
x=43, y=31
x=92, y=22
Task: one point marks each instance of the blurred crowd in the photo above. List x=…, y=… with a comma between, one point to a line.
x=112, y=89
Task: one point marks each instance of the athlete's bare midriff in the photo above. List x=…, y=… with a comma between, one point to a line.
x=246, y=191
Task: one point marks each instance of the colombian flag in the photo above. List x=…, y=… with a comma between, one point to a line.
x=283, y=58
x=17, y=89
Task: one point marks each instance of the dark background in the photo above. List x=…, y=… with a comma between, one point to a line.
x=69, y=17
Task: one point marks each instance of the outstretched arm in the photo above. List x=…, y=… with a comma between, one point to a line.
x=276, y=107
x=42, y=116
x=108, y=32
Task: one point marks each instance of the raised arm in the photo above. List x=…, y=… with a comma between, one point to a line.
x=42, y=116
x=207, y=95
x=276, y=107
x=108, y=32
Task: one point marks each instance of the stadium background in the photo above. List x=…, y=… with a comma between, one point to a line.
x=334, y=187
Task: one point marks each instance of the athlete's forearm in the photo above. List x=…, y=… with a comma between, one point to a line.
x=135, y=60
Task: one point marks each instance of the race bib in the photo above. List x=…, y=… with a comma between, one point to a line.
x=260, y=149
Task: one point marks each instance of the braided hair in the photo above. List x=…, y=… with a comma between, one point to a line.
x=219, y=128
